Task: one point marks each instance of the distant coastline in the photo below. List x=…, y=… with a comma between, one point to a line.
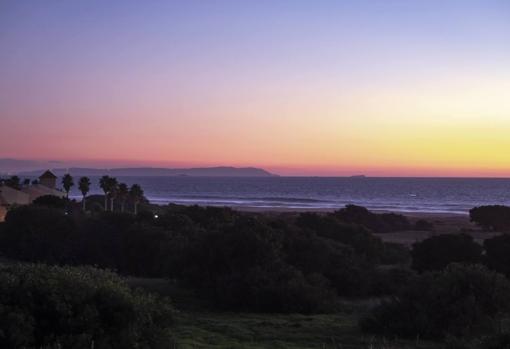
x=220, y=171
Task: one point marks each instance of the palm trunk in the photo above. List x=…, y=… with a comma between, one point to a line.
x=111, y=204
x=83, y=202
x=105, y=202
x=122, y=206
x=136, y=208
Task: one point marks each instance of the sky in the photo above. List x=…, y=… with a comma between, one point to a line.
x=382, y=88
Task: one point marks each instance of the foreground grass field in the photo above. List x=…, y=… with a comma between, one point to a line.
x=258, y=331
x=197, y=326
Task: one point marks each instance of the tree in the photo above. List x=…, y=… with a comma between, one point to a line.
x=497, y=253
x=378, y=223
x=122, y=194
x=50, y=201
x=136, y=194
x=496, y=217
x=67, y=183
x=114, y=188
x=84, y=186
x=424, y=225
x=436, y=252
x=64, y=307
x=462, y=301
x=26, y=182
x=104, y=183
x=13, y=182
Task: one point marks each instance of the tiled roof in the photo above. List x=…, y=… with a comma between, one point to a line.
x=47, y=174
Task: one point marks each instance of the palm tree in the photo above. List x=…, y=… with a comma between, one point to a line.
x=67, y=183
x=136, y=194
x=122, y=194
x=114, y=188
x=84, y=186
x=104, y=183
x=13, y=182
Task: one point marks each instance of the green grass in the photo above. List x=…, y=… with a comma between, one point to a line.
x=197, y=326
x=257, y=331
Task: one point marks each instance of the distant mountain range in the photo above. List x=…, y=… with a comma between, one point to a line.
x=33, y=168
x=222, y=171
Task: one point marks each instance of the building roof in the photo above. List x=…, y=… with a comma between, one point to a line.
x=47, y=174
x=13, y=196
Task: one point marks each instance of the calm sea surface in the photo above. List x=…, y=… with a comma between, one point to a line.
x=434, y=195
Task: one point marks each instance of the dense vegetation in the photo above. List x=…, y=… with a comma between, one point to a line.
x=377, y=223
x=244, y=261
x=445, y=286
x=81, y=308
x=496, y=217
x=436, y=252
x=462, y=300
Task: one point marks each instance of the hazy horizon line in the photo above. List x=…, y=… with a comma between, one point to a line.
x=298, y=170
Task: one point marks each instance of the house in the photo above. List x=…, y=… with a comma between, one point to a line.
x=10, y=197
x=48, y=179
x=13, y=196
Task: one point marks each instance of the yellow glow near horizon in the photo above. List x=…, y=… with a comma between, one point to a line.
x=456, y=129
x=335, y=88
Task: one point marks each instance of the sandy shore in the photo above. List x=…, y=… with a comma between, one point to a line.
x=298, y=210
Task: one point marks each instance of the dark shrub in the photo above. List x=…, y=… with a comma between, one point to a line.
x=347, y=272
x=388, y=281
x=438, y=251
x=276, y=288
x=109, y=240
x=37, y=233
x=423, y=225
x=395, y=253
x=359, y=238
x=51, y=201
x=80, y=308
x=497, y=253
x=390, y=222
x=241, y=268
x=175, y=221
x=499, y=341
x=463, y=301
x=240, y=261
x=147, y=251
x=491, y=217
x=209, y=217
x=378, y=223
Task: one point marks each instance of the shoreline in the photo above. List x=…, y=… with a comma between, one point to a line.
x=286, y=209
x=416, y=214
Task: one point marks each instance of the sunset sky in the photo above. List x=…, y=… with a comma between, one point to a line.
x=384, y=88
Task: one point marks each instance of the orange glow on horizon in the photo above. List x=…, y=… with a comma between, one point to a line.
x=303, y=94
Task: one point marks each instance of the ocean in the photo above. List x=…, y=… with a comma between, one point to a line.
x=424, y=195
